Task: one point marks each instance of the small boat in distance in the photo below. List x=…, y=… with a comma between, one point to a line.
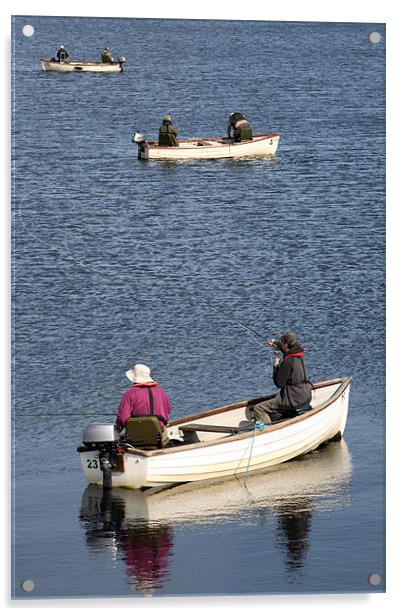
x=259, y=145
x=216, y=444
x=76, y=66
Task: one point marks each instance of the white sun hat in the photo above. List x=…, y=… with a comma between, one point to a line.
x=139, y=374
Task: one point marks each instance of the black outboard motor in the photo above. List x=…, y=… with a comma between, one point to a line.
x=104, y=438
x=121, y=61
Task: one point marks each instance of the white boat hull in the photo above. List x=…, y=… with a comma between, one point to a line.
x=229, y=456
x=260, y=145
x=81, y=67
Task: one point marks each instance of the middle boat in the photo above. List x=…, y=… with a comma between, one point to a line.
x=259, y=145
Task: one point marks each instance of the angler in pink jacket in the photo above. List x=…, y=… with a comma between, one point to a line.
x=144, y=398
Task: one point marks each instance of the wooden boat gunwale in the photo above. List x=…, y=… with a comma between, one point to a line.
x=343, y=384
x=255, y=139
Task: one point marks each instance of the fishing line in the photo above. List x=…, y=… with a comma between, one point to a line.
x=143, y=272
x=258, y=425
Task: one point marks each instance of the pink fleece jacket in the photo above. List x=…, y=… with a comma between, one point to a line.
x=135, y=403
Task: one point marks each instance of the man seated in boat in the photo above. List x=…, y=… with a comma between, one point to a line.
x=290, y=375
x=62, y=54
x=168, y=133
x=238, y=128
x=146, y=397
x=106, y=56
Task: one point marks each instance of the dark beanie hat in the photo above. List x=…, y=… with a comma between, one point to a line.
x=290, y=338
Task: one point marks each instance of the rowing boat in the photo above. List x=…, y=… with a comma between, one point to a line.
x=215, y=444
x=259, y=145
x=73, y=66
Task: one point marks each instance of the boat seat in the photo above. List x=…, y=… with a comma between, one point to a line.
x=146, y=433
x=208, y=428
x=208, y=143
x=287, y=415
x=304, y=409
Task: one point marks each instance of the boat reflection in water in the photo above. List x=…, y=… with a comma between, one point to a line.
x=294, y=521
x=145, y=547
x=138, y=527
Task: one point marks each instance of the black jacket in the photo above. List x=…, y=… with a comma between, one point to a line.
x=238, y=123
x=292, y=378
x=62, y=55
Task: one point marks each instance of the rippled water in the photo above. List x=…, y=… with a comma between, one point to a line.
x=117, y=260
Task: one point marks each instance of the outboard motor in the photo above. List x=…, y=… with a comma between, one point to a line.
x=139, y=139
x=121, y=61
x=104, y=438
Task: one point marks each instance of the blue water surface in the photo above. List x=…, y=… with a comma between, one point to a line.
x=117, y=260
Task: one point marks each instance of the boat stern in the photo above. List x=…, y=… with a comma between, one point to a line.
x=143, y=150
x=104, y=460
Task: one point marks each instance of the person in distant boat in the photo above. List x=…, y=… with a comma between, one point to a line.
x=62, y=54
x=238, y=127
x=168, y=133
x=107, y=56
x=290, y=375
x=145, y=397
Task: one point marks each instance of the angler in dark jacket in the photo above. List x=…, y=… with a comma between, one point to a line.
x=238, y=124
x=168, y=132
x=290, y=375
x=62, y=54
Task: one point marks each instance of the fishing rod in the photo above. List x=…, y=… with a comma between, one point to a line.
x=143, y=272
